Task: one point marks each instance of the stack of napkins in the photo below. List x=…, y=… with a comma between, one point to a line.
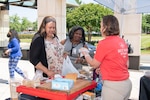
x=62, y=84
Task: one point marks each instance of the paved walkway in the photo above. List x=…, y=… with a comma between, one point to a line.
x=28, y=67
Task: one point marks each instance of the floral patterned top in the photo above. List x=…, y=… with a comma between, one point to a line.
x=54, y=54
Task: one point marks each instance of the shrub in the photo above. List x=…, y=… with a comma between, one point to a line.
x=26, y=36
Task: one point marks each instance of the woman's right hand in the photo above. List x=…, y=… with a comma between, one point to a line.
x=41, y=67
x=65, y=54
x=84, y=51
x=50, y=74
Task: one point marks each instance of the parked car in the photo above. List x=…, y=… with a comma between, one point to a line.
x=92, y=48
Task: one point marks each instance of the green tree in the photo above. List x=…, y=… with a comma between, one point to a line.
x=147, y=16
x=145, y=23
x=35, y=26
x=79, y=2
x=26, y=24
x=23, y=24
x=87, y=16
x=15, y=22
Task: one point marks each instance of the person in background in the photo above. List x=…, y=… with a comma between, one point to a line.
x=73, y=43
x=111, y=59
x=15, y=54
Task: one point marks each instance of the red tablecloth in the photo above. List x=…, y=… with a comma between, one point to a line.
x=79, y=87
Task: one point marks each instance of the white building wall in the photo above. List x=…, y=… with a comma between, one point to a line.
x=130, y=27
x=57, y=9
x=4, y=27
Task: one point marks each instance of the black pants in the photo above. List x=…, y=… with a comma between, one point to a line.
x=144, y=93
x=29, y=97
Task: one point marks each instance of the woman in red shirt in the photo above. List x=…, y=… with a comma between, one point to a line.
x=111, y=59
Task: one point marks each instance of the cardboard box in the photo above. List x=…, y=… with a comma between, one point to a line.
x=62, y=84
x=72, y=76
x=89, y=95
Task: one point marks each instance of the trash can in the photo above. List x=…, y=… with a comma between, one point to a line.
x=25, y=54
x=134, y=62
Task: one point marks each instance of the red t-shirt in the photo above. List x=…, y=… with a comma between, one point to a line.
x=112, y=53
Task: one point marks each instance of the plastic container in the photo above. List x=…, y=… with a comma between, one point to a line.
x=13, y=84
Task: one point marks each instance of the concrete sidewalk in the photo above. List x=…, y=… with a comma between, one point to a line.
x=25, y=65
x=29, y=68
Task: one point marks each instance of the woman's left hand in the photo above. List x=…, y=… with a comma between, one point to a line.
x=50, y=74
x=97, y=70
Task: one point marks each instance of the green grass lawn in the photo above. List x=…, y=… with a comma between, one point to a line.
x=145, y=42
x=145, y=51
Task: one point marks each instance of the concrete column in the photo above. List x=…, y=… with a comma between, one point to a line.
x=130, y=27
x=4, y=27
x=57, y=9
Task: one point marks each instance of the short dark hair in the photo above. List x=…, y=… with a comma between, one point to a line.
x=74, y=29
x=111, y=24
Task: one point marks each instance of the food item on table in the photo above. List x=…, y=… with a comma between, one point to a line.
x=72, y=76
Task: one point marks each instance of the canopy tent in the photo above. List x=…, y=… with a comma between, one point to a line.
x=127, y=6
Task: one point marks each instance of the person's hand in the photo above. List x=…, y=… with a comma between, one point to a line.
x=65, y=54
x=79, y=60
x=84, y=51
x=7, y=52
x=97, y=71
x=50, y=74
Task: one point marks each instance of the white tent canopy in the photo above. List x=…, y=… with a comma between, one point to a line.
x=127, y=6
